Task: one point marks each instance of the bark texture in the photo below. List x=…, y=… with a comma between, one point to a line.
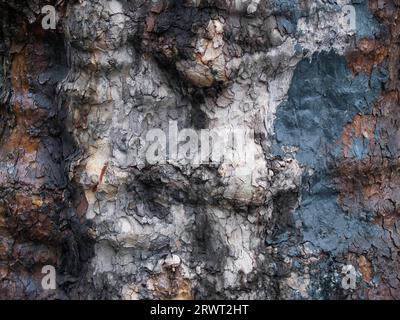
x=77, y=189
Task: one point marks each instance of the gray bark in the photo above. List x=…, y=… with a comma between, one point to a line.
x=316, y=99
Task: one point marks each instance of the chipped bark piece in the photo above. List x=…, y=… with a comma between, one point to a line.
x=365, y=268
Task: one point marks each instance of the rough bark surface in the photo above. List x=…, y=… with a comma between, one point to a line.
x=77, y=190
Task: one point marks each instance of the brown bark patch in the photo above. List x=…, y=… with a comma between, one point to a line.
x=370, y=53
x=366, y=268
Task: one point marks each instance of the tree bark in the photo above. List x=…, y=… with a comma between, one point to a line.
x=303, y=198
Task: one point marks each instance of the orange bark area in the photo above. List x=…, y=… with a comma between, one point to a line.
x=363, y=126
x=370, y=53
x=372, y=184
x=28, y=234
x=366, y=268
